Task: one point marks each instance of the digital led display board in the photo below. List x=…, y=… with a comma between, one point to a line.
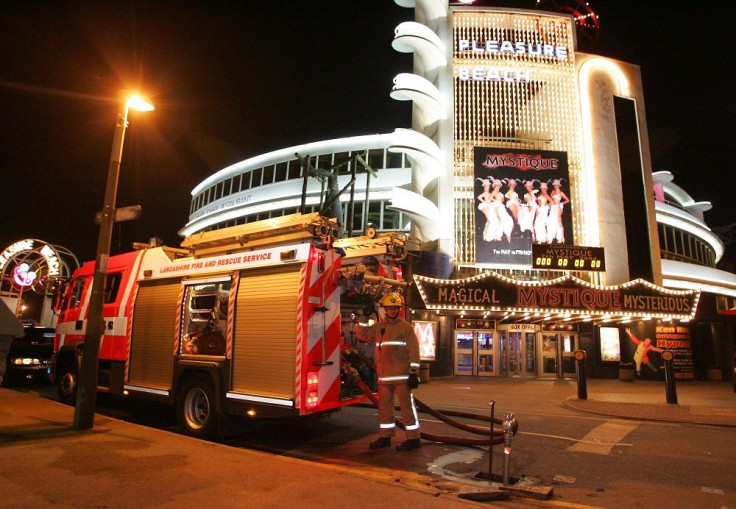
x=565, y=257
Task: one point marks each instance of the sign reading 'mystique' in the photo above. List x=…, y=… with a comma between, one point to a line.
x=562, y=295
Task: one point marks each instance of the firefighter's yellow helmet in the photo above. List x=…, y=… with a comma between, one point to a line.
x=391, y=300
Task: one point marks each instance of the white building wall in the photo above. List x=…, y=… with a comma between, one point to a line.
x=600, y=80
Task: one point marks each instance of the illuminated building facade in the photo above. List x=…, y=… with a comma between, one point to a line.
x=526, y=178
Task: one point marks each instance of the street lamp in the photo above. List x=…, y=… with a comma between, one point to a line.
x=84, y=411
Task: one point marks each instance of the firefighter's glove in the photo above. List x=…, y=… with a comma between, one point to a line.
x=413, y=381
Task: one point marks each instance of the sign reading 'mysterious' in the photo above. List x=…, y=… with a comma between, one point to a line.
x=567, y=294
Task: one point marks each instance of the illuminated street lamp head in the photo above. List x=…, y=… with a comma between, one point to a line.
x=138, y=103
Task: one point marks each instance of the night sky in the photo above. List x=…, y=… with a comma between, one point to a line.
x=231, y=80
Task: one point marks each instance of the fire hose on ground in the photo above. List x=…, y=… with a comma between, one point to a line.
x=444, y=416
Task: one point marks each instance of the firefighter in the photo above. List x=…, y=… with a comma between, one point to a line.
x=397, y=363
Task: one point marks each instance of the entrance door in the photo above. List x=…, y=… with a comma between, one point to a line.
x=512, y=353
x=474, y=352
x=548, y=355
x=484, y=353
x=568, y=344
x=557, y=354
x=464, y=358
x=517, y=349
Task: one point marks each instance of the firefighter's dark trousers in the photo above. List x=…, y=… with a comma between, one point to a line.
x=386, y=417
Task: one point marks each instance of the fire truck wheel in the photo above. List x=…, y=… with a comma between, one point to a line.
x=196, y=408
x=66, y=386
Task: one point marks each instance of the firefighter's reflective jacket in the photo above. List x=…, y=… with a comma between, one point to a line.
x=397, y=349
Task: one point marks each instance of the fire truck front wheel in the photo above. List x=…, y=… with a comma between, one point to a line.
x=66, y=385
x=196, y=408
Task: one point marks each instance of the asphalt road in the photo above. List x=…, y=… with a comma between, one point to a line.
x=586, y=459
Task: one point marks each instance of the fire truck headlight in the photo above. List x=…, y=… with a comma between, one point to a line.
x=26, y=361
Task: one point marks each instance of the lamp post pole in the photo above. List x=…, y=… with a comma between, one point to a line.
x=84, y=410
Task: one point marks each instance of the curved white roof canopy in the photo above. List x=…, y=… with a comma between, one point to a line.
x=425, y=96
x=422, y=212
x=413, y=37
x=424, y=153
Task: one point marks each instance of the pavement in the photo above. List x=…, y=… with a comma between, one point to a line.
x=696, y=402
x=45, y=462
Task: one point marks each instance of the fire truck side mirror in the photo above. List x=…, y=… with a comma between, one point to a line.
x=58, y=292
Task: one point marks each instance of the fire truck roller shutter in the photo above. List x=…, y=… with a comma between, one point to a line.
x=153, y=333
x=264, y=344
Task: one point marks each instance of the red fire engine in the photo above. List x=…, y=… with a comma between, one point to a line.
x=244, y=320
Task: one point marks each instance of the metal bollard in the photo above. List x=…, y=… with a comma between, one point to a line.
x=580, y=371
x=508, y=432
x=490, y=449
x=669, y=377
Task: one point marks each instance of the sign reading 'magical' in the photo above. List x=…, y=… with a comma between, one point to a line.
x=565, y=295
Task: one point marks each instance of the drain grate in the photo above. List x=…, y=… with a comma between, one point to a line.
x=563, y=479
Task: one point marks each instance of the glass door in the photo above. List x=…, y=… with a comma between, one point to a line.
x=464, y=360
x=548, y=355
x=518, y=349
x=530, y=346
x=557, y=354
x=484, y=353
x=474, y=352
x=512, y=347
x=569, y=343
x=504, y=364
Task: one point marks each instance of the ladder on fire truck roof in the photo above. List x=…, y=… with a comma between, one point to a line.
x=295, y=228
x=391, y=244
x=260, y=234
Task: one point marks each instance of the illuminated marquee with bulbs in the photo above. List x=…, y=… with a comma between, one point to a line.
x=565, y=296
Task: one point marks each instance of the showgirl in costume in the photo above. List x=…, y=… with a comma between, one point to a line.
x=557, y=191
x=540, y=219
x=513, y=202
x=528, y=209
x=555, y=230
x=543, y=192
x=485, y=206
x=505, y=222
